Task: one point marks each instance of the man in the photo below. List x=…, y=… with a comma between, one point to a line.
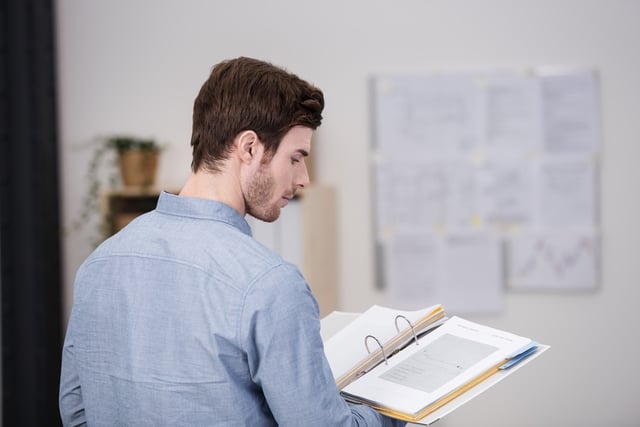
x=183, y=318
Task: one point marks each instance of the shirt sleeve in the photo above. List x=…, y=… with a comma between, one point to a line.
x=70, y=399
x=280, y=329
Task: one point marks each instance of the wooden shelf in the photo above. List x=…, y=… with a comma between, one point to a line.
x=122, y=206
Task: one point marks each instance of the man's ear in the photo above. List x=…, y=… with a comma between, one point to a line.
x=249, y=146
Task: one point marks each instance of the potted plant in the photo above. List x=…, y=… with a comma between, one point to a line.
x=138, y=159
x=121, y=160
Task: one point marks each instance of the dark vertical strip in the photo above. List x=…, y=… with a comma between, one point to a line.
x=29, y=215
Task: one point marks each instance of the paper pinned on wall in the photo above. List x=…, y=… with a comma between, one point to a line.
x=507, y=193
x=410, y=195
x=567, y=192
x=473, y=273
x=433, y=115
x=462, y=269
x=486, y=152
x=413, y=263
x=570, y=107
x=462, y=196
x=558, y=261
x=512, y=119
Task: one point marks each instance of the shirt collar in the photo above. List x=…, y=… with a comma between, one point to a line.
x=193, y=207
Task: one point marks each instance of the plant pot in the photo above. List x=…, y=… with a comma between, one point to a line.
x=138, y=167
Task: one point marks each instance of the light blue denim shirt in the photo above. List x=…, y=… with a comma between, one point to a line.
x=183, y=319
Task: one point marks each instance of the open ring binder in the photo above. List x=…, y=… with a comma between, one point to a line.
x=405, y=388
x=390, y=342
x=413, y=331
x=366, y=344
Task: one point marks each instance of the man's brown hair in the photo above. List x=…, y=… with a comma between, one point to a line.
x=248, y=94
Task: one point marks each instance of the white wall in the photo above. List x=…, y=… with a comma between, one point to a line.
x=136, y=66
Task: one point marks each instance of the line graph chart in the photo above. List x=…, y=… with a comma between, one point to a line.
x=557, y=261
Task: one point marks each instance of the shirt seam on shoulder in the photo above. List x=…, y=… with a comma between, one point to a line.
x=248, y=291
x=168, y=259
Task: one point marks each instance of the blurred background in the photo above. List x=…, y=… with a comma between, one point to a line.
x=75, y=71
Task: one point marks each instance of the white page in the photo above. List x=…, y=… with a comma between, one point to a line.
x=462, y=195
x=562, y=260
x=507, y=191
x=571, y=116
x=426, y=115
x=566, y=192
x=413, y=266
x=410, y=195
x=472, y=273
x=446, y=359
x=461, y=269
x=347, y=348
x=512, y=115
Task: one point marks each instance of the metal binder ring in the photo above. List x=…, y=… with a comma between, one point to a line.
x=413, y=331
x=366, y=344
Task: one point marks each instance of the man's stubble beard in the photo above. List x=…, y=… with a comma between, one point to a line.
x=259, y=195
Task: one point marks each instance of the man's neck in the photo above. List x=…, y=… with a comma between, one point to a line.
x=222, y=187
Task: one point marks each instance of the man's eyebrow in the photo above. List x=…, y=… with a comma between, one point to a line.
x=305, y=153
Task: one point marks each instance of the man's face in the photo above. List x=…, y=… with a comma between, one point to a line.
x=276, y=181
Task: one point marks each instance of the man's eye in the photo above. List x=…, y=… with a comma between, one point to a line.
x=294, y=160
